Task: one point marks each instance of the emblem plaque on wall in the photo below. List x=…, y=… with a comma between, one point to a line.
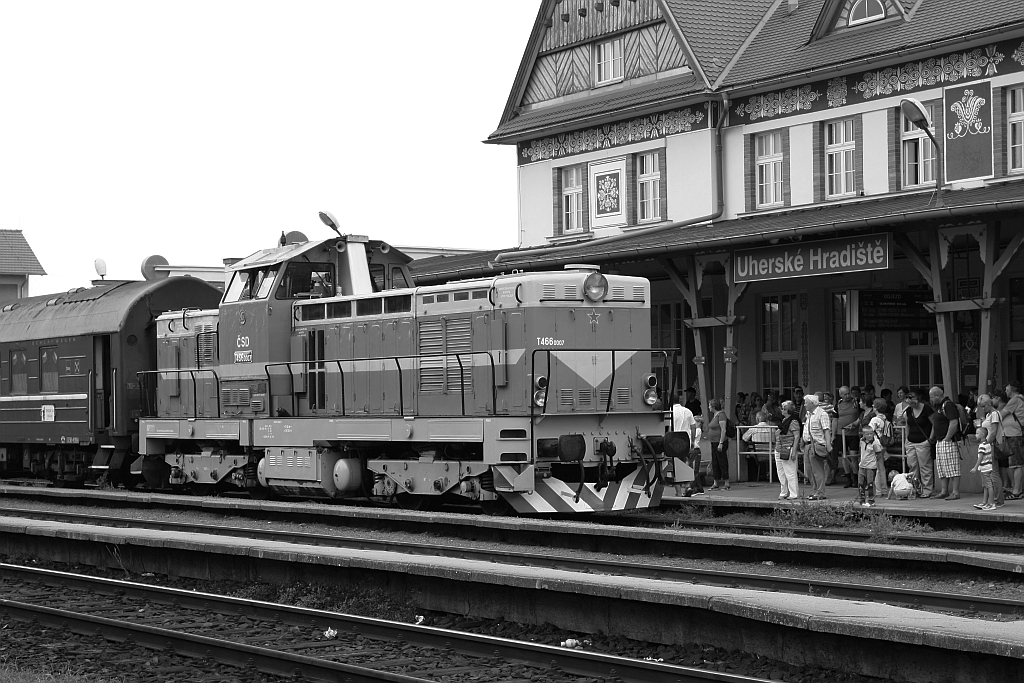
x=967, y=131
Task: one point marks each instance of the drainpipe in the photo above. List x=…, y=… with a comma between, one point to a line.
x=719, y=191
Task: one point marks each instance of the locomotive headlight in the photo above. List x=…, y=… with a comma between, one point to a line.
x=651, y=397
x=650, y=381
x=540, y=397
x=595, y=287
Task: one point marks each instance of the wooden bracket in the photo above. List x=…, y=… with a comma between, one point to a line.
x=719, y=321
x=961, y=305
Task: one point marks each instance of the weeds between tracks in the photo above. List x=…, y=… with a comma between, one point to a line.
x=785, y=519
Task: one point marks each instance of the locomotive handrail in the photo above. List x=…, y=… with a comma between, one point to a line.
x=113, y=400
x=195, y=393
x=401, y=379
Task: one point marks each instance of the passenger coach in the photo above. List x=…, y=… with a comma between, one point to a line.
x=69, y=391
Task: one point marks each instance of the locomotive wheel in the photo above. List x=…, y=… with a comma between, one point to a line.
x=410, y=501
x=498, y=507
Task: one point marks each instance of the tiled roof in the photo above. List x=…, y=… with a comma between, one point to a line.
x=781, y=47
x=870, y=214
x=614, y=102
x=16, y=257
x=715, y=29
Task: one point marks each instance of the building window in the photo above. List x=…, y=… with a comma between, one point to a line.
x=780, y=342
x=48, y=369
x=839, y=158
x=648, y=187
x=918, y=152
x=924, y=364
x=1016, y=309
x=572, y=199
x=608, y=62
x=851, y=351
x=1015, y=137
x=769, y=169
x=19, y=373
x=866, y=10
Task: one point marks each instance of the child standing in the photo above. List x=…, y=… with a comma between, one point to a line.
x=870, y=448
x=984, y=467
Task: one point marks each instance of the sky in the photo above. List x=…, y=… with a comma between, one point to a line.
x=202, y=130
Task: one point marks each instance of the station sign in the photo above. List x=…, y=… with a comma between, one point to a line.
x=798, y=259
x=889, y=310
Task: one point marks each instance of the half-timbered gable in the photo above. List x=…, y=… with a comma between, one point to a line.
x=588, y=45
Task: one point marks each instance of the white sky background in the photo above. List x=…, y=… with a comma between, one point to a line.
x=201, y=130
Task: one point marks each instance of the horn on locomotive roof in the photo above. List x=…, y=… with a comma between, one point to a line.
x=330, y=221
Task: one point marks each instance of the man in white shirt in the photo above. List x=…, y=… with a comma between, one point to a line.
x=817, y=442
x=683, y=421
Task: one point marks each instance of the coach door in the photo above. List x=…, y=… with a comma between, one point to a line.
x=102, y=387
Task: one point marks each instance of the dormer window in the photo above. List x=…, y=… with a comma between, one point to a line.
x=866, y=10
x=608, y=62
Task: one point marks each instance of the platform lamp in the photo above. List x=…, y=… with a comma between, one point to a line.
x=918, y=115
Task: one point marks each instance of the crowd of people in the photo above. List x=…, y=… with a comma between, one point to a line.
x=856, y=439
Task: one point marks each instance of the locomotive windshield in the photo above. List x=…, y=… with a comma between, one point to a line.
x=251, y=284
x=307, y=281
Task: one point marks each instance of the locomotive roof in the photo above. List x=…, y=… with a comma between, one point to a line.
x=268, y=257
x=99, y=310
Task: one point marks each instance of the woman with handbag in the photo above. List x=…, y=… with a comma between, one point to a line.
x=787, y=452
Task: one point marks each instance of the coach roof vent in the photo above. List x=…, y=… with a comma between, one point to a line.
x=583, y=266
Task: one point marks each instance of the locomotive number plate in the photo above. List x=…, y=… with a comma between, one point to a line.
x=550, y=341
x=243, y=356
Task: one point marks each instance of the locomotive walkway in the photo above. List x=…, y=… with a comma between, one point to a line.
x=841, y=634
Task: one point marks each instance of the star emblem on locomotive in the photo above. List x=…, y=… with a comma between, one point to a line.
x=595, y=318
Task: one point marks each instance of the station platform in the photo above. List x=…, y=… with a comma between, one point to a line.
x=762, y=495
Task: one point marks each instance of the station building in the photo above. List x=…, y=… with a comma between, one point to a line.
x=17, y=263
x=755, y=160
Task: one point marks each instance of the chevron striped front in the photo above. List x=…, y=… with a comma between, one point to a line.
x=556, y=496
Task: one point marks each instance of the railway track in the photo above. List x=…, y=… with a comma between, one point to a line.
x=968, y=544
x=304, y=643
x=917, y=599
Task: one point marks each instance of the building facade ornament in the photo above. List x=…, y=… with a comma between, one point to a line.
x=611, y=135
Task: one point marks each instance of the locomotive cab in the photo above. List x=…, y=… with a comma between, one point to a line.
x=257, y=316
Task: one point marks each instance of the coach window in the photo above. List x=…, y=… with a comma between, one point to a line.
x=306, y=281
x=48, y=369
x=19, y=372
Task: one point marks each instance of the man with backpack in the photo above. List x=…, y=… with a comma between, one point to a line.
x=946, y=435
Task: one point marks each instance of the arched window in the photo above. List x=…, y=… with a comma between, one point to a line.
x=866, y=10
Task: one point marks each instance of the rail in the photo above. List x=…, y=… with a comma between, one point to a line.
x=148, y=390
x=305, y=364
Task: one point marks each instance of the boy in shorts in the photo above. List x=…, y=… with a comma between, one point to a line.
x=870, y=452
x=984, y=467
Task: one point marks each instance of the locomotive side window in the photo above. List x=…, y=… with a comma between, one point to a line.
x=398, y=304
x=398, y=280
x=369, y=307
x=48, y=369
x=307, y=281
x=342, y=309
x=377, y=277
x=19, y=372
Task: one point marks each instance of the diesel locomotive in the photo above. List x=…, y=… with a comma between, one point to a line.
x=323, y=373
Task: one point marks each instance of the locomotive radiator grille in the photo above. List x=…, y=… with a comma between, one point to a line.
x=236, y=397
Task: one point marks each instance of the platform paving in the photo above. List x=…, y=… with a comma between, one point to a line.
x=762, y=495
x=868, y=620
